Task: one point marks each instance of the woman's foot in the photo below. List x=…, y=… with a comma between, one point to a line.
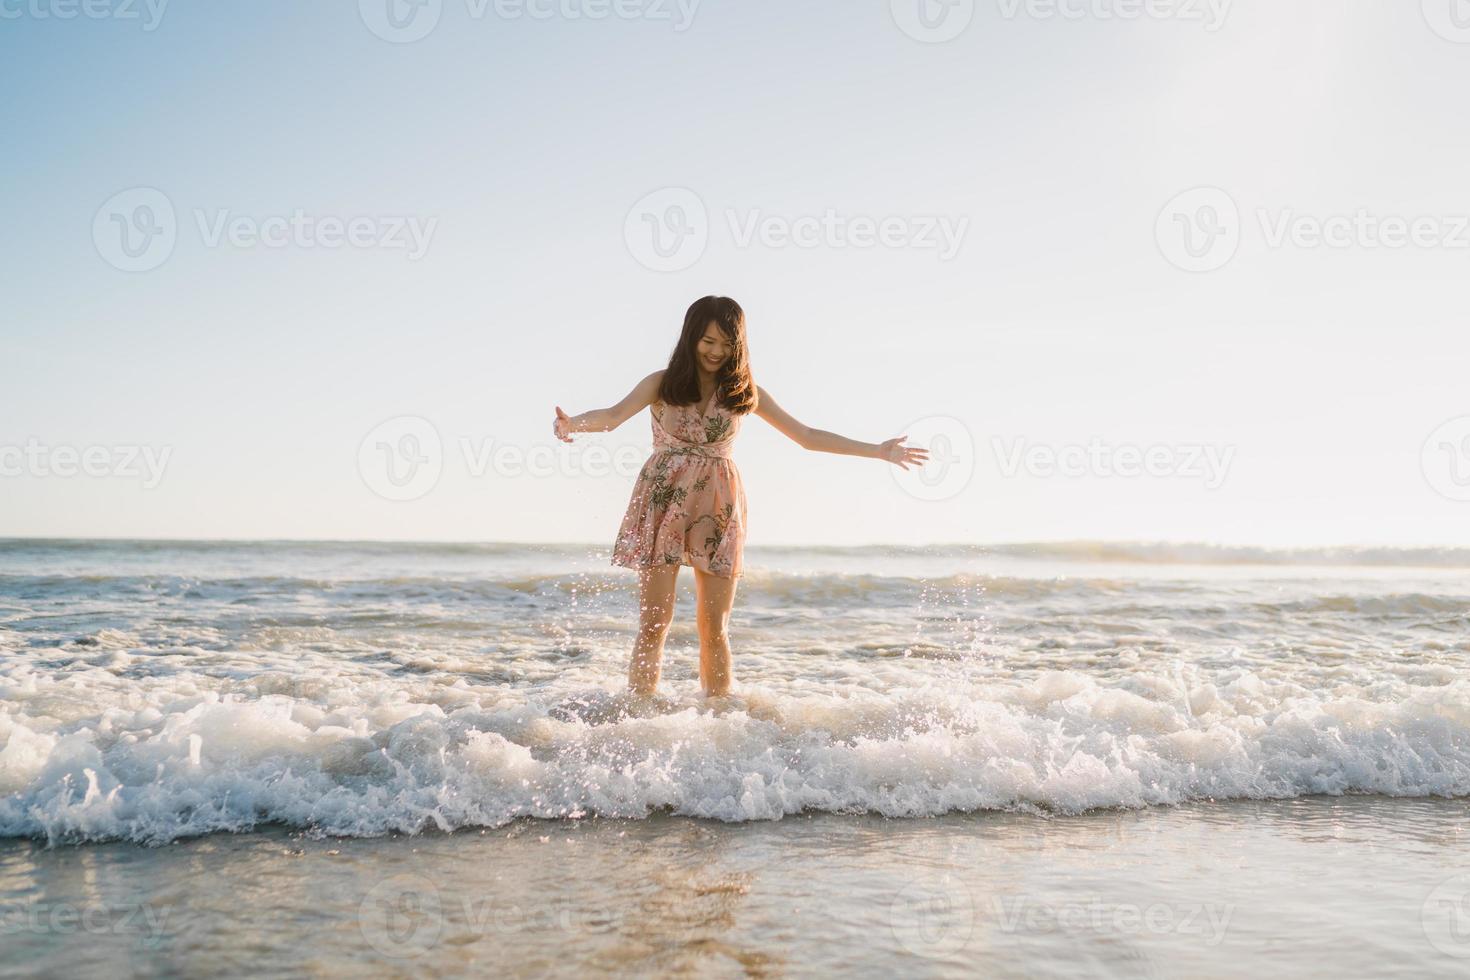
x=605, y=707
x=720, y=704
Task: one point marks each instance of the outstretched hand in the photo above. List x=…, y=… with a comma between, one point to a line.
x=562, y=427
x=903, y=456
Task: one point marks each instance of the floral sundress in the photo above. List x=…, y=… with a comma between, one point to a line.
x=688, y=506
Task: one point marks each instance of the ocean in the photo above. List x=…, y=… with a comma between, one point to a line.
x=1019, y=760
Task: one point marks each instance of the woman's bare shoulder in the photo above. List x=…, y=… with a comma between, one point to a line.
x=653, y=383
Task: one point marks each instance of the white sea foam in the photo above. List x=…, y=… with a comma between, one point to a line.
x=364, y=759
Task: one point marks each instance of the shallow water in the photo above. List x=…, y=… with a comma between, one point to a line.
x=158, y=691
x=1051, y=761
x=155, y=691
x=1319, y=886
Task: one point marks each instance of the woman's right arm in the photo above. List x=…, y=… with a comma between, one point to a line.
x=607, y=419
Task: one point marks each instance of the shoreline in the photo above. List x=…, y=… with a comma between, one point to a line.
x=526, y=824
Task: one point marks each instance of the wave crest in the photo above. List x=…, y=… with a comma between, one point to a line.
x=335, y=759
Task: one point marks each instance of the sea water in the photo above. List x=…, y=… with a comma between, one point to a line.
x=395, y=709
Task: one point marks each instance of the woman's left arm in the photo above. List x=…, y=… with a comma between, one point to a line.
x=822, y=441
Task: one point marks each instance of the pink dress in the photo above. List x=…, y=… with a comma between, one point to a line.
x=688, y=506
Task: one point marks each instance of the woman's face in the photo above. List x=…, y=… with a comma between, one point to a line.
x=714, y=349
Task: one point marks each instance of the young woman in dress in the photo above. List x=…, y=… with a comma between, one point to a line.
x=688, y=506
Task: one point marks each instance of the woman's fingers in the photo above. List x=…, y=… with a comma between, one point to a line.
x=558, y=425
x=904, y=456
x=911, y=455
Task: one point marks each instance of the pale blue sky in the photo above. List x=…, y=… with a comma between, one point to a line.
x=1060, y=320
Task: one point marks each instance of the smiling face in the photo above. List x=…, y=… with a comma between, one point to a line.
x=714, y=349
x=711, y=353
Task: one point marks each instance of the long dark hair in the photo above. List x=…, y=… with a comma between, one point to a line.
x=680, y=385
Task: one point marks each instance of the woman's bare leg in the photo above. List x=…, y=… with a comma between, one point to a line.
x=715, y=599
x=655, y=613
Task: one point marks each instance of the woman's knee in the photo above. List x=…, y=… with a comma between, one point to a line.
x=655, y=622
x=654, y=629
x=714, y=627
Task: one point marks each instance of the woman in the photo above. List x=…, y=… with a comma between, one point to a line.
x=688, y=506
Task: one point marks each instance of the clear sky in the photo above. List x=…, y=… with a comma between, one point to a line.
x=520, y=144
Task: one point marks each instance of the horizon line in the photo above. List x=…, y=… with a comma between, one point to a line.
x=1032, y=542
